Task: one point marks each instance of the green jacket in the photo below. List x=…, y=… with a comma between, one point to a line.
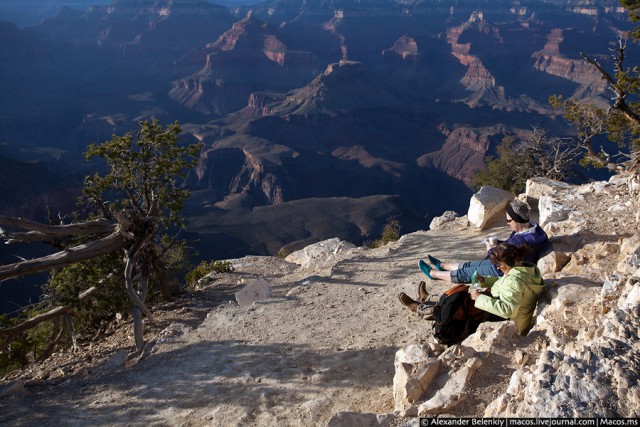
x=513, y=296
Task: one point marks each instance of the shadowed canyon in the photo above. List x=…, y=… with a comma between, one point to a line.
x=318, y=118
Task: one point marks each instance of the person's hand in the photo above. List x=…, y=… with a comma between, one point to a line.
x=474, y=294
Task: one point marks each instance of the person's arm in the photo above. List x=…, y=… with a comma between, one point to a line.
x=488, y=282
x=505, y=303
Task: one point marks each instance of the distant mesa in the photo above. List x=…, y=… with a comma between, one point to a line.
x=225, y=83
x=405, y=47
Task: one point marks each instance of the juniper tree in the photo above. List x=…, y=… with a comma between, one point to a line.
x=131, y=208
x=620, y=121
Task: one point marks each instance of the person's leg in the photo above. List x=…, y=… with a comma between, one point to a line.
x=448, y=266
x=464, y=272
x=442, y=266
x=486, y=268
x=441, y=275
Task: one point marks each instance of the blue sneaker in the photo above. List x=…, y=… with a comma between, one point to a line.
x=425, y=269
x=436, y=262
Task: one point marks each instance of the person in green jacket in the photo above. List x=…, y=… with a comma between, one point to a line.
x=514, y=295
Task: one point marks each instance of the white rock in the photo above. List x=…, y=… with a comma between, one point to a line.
x=610, y=288
x=539, y=186
x=563, y=299
x=490, y=334
x=486, y=204
x=567, y=228
x=551, y=210
x=616, y=208
x=629, y=258
x=257, y=290
x=319, y=251
x=632, y=300
x=414, y=373
x=413, y=353
x=453, y=392
x=449, y=219
x=552, y=262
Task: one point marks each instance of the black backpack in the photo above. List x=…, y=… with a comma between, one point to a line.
x=455, y=316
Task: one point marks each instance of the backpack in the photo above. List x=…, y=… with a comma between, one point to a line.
x=455, y=316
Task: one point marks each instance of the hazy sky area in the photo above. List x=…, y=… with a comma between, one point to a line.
x=26, y=13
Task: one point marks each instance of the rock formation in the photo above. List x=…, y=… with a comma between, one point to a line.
x=550, y=60
x=478, y=80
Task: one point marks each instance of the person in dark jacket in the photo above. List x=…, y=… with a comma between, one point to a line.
x=524, y=232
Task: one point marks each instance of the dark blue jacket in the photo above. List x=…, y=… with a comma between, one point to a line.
x=536, y=241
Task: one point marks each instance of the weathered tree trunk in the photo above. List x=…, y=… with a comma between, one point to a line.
x=138, y=322
x=41, y=231
x=72, y=255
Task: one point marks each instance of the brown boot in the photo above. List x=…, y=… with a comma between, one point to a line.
x=407, y=301
x=422, y=292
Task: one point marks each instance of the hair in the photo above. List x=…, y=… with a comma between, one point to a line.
x=521, y=209
x=506, y=253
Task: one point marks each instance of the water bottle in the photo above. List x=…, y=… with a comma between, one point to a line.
x=474, y=280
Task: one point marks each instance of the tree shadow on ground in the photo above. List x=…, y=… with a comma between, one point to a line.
x=206, y=374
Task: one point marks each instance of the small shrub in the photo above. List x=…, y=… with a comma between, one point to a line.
x=283, y=253
x=25, y=347
x=390, y=233
x=206, y=267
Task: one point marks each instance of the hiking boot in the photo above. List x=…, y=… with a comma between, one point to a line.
x=422, y=292
x=407, y=301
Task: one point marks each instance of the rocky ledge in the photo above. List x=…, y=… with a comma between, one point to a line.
x=321, y=337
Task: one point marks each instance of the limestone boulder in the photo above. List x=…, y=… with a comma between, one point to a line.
x=611, y=288
x=594, y=375
x=551, y=210
x=449, y=220
x=257, y=290
x=454, y=391
x=553, y=262
x=487, y=204
x=629, y=258
x=415, y=371
x=557, y=318
x=539, y=186
x=490, y=334
x=570, y=229
x=319, y=252
x=598, y=256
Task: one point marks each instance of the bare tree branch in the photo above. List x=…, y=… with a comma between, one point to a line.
x=78, y=253
x=620, y=98
x=41, y=231
x=28, y=324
